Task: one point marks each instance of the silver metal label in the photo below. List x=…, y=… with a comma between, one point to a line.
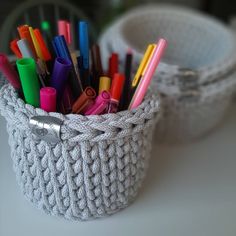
x=47, y=128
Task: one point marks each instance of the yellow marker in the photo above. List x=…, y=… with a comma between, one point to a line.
x=104, y=84
x=143, y=65
x=36, y=44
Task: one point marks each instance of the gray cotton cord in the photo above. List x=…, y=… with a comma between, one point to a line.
x=97, y=167
x=197, y=76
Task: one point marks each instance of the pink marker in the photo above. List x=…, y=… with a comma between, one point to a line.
x=100, y=104
x=147, y=77
x=65, y=29
x=9, y=72
x=48, y=99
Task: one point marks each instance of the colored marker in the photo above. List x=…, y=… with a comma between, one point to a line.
x=113, y=64
x=84, y=44
x=48, y=99
x=104, y=84
x=29, y=80
x=148, y=74
x=116, y=90
x=100, y=105
x=9, y=72
x=85, y=99
x=61, y=70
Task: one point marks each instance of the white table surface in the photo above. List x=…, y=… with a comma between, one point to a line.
x=189, y=190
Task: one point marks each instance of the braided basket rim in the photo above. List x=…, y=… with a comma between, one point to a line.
x=131, y=119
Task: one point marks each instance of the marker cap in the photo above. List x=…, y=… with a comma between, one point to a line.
x=117, y=86
x=48, y=97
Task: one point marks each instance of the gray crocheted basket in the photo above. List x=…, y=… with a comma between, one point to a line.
x=94, y=170
x=2, y=80
x=197, y=76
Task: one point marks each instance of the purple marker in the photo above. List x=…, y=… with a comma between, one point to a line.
x=60, y=74
x=100, y=104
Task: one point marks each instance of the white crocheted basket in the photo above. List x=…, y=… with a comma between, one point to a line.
x=95, y=164
x=197, y=75
x=2, y=80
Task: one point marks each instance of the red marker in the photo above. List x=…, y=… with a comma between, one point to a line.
x=113, y=64
x=116, y=91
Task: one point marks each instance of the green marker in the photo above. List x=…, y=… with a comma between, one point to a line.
x=29, y=80
x=45, y=25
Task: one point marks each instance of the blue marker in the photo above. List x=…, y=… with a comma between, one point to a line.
x=84, y=44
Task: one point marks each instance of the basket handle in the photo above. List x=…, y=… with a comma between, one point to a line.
x=46, y=128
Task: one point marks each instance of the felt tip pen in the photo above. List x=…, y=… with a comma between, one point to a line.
x=113, y=64
x=100, y=105
x=29, y=80
x=149, y=72
x=85, y=99
x=84, y=43
x=116, y=90
x=61, y=70
x=144, y=62
x=15, y=49
x=127, y=91
x=97, y=69
x=48, y=98
x=104, y=84
x=64, y=28
x=9, y=72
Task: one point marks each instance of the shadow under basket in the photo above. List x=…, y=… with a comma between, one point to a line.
x=92, y=166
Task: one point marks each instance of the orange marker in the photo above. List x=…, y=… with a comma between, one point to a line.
x=46, y=54
x=15, y=49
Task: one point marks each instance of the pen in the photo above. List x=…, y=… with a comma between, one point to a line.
x=65, y=106
x=26, y=52
x=116, y=89
x=148, y=74
x=144, y=62
x=29, y=80
x=25, y=34
x=48, y=99
x=127, y=90
x=97, y=70
x=113, y=64
x=9, y=72
x=64, y=28
x=15, y=49
x=61, y=50
x=36, y=44
x=104, y=84
x=100, y=105
x=85, y=99
x=61, y=70
x=84, y=44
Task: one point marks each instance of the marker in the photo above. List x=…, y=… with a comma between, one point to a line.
x=113, y=64
x=48, y=99
x=64, y=28
x=100, y=105
x=85, y=99
x=127, y=91
x=15, y=48
x=104, y=84
x=29, y=80
x=9, y=72
x=61, y=70
x=148, y=74
x=84, y=44
x=97, y=69
x=143, y=64
x=116, y=90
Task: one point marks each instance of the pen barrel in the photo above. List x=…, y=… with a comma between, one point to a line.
x=9, y=72
x=48, y=99
x=104, y=84
x=61, y=70
x=85, y=99
x=100, y=104
x=29, y=80
x=117, y=86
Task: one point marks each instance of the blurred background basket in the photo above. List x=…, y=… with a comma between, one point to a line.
x=197, y=76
